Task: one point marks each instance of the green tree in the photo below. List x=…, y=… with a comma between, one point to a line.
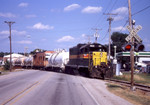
x=6, y=65
x=1, y=54
x=36, y=50
x=118, y=39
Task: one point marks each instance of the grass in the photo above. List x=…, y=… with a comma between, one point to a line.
x=1, y=68
x=138, y=78
x=3, y=71
x=136, y=97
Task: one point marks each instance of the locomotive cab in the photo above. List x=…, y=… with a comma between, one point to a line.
x=97, y=61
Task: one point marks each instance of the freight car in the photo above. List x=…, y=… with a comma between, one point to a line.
x=28, y=62
x=57, y=60
x=40, y=59
x=88, y=59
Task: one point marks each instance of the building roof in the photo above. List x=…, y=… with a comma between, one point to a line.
x=139, y=54
x=14, y=55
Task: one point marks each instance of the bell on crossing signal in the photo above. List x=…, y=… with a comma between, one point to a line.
x=127, y=47
x=139, y=47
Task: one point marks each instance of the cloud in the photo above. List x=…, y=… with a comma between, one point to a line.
x=121, y=10
x=72, y=7
x=30, y=16
x=65, y=39
x=7, y=15
x=117, y=18
x=23, y=5
x=42, y=26
x=119, y=28
x=28, y=36
x=121, y=13
x=4, y=32
x=25, y=42
x=83, y=35
x=91, y=9
x=14, y=32
x=43, y=39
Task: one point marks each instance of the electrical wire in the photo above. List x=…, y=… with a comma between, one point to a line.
x=104, y=36
x=124, y=25
x=100, y=20
x=141, y=10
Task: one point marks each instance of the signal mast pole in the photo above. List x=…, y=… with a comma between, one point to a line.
x=9, y=24
x=132, y=49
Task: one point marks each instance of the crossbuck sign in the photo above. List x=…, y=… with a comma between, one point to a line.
x=133, y=33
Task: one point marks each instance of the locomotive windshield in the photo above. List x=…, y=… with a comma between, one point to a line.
x=92, y=47
x=97, y=49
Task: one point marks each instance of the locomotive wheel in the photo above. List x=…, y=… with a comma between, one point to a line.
x=103, y=76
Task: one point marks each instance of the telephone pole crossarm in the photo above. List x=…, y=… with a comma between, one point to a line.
x=96, y=35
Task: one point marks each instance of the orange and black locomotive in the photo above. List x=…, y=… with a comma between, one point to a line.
x=88, y=59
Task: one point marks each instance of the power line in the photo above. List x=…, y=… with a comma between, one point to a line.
x=104, y=36
x=124, y=25
x=136, y=2
x=141, y=10
x=101, y=20
x=113, y=5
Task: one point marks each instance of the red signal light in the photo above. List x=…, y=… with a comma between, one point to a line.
x=127, y=47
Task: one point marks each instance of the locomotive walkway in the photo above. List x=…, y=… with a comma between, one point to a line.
x=34, y=87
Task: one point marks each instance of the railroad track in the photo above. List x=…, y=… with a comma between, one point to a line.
x=142, y=87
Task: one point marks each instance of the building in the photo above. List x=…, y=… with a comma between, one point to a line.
x=141, y=60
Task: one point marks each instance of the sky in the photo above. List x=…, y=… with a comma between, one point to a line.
x=62, y=24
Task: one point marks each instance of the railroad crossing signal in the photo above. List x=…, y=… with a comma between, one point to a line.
x=133, y=33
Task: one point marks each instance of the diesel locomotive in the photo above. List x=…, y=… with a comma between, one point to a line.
x=88, y=59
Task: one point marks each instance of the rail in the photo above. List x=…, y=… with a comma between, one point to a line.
x=142, y=87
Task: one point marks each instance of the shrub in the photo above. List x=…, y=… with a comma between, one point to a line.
x=6, y=65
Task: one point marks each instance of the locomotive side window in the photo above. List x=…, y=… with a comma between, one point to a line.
x=86, y=50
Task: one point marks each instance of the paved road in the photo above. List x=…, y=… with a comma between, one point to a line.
x=34, y=87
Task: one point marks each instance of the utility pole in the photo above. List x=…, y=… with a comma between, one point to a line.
x=96, y=35
x=132, y=49
x=89, y=38
x=25, y=51
x=9, y=24
x=110, y=19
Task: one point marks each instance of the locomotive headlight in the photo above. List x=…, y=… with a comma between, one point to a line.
x=92, y=46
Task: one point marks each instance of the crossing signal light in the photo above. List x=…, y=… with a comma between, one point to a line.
x=127, y=47
x=139, y=47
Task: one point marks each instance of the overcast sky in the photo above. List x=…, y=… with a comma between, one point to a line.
x=53, y=24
